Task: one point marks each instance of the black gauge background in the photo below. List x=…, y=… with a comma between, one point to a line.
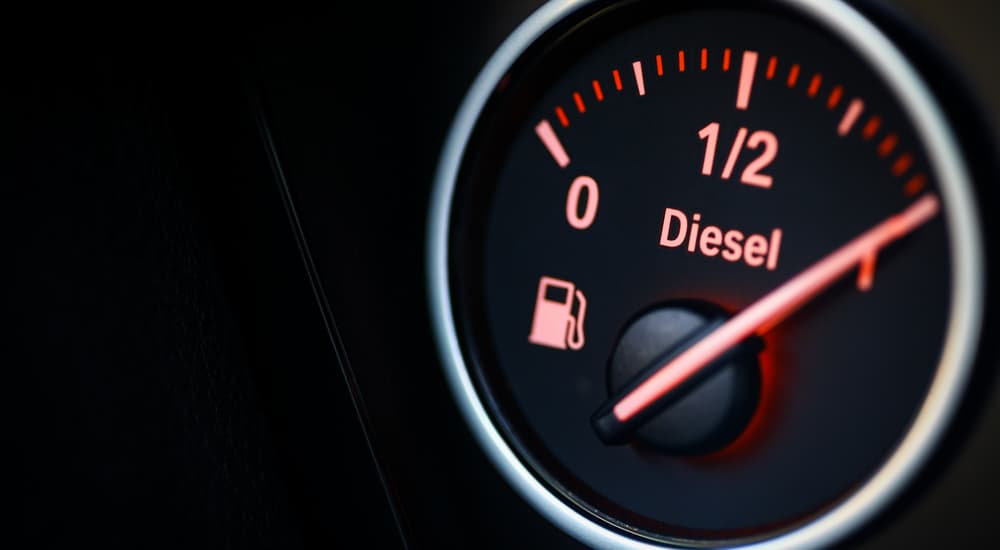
x=621, y=272
x=172, y=383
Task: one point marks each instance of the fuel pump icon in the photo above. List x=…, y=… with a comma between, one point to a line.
x=554, y=324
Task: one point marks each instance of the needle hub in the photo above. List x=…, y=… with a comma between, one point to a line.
x=709, y=411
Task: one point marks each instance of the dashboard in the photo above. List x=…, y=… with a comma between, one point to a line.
x=221, y=333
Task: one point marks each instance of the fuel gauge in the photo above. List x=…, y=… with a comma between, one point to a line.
x=706, y=274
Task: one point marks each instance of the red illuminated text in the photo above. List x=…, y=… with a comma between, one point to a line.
x=573, y=201
x=752, y=173
x=731, y=245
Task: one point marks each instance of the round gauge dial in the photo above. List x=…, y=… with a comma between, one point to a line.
x=705, y=274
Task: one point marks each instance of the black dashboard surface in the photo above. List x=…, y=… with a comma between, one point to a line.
x=217, y=328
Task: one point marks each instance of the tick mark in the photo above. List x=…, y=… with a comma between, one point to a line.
x=902, y=164
x=793, y=75
x=854, y=109
x=866, y=271
x=562, y=116
x=871, y=128
x=887, y=145
x=915, y=185
x=637, y=71
x=747, y=71
x=814, y=85
x=597, y=91
x=548, y=136
x=835, y=95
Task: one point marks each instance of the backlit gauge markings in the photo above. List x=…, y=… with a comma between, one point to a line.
x=772, y=66
x=853, y=117
x=747, y=71
x=598, y=93
x=834, y=99
x=555, y=147
x=850, y=118
x=639, y=81
x=561, y=115
x=885, y=147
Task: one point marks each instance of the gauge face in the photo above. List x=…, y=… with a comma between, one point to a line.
x=705, y=274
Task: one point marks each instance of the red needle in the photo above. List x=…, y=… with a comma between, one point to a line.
x=775, y=306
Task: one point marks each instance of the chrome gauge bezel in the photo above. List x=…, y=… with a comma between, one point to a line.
x=966, y=309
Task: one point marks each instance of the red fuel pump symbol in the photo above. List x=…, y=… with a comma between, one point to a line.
x=554, y=323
